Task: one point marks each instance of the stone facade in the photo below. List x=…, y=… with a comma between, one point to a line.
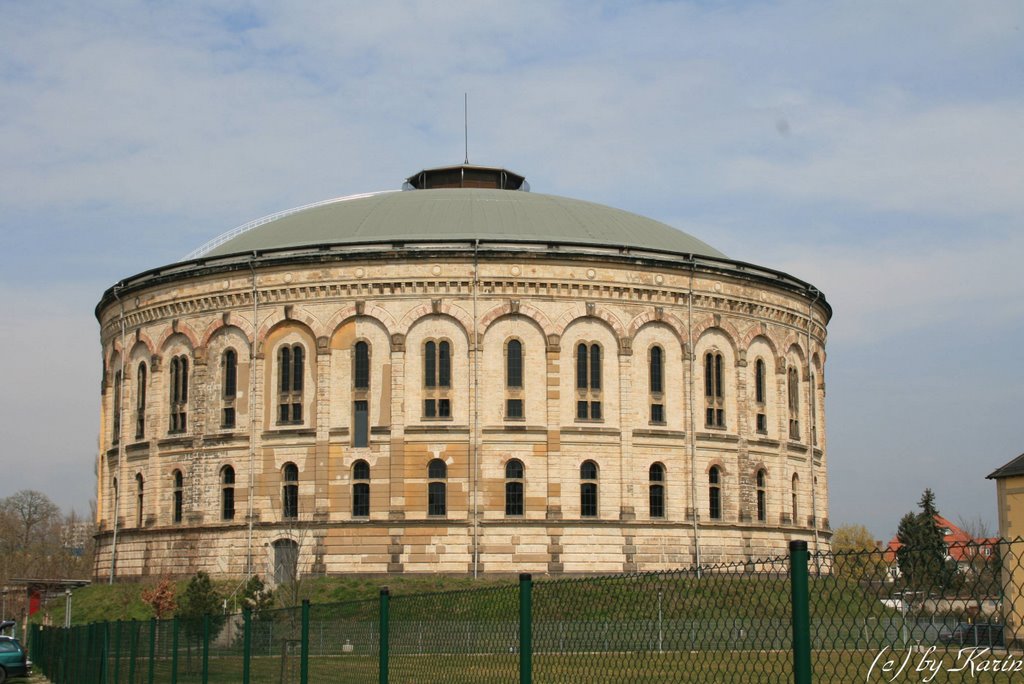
x=475, y=299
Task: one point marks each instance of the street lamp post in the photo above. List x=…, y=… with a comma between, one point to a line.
x=67, y=607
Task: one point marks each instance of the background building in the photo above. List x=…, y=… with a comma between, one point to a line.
x=461, y=377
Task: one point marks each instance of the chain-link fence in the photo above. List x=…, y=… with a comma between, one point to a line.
x=948, y=615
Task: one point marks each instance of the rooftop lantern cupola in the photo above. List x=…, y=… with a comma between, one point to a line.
x=466, y=176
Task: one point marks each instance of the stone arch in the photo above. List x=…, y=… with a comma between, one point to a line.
x=342, y=316
x=460, y=324
x=435, y=307
x=224, y=330
x=524, y=309
x=708, y=322
x=721, y=333
x=240, y=324
x=668, y=319
x=178, y=329
x=795, y=349
x=302, y=326
x=590, y=310
x=769, y=342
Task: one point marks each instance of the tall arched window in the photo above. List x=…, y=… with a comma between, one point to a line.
x=361, y=395
x=762, y=496
x=588, y=489
x=360, y=489
x=227, y=493
x=793, y=387
x=291, y=365
x=140, y=401
x=437, y=379
x=115, y=436
x=178, y=494
x=714, y=395
x=229, y=387
x=656, y=490
x=656, y=384
x=437, y=487
x=514, y=380
x=139, y=499
x=814, y=412
x=514, y=472
x=179, y=394
x=361, y=370
x=793, y=494
x=588, y=381
x=290, y=491
x=761, y=420
x=715, y=493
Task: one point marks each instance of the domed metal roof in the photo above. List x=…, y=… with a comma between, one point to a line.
x=455, y=213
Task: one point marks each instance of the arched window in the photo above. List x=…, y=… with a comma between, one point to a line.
x=514, y=472
x=714, y=395
x=656, y=384
x=762, y=496
x=437, y=379
x=793, y=387
x=761, y=420
x=113, y=487
x=656, y=490
x=514, y=380
x=361, y=371
x=179, y=394
x=291, y=365
x=140, y=401
x=437, y=487
x=588, y=381
x=178, y=493
x=227, y=493
x=139, y=495
x=360, y=489
x=793, y=494
x=229, y=387
x=361, y=395
x=290, y=491
x=588, y=489
x=115, y=436
x=814, y=410
x=715, y=493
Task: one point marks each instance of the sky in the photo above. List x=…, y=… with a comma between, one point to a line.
x=875, y=150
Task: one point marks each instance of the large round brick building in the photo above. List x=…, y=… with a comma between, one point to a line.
x=460, y=377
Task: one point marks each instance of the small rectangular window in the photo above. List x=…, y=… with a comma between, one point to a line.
x=444, y=408
x=595, y=410
x=582, y=408
x=762, y=423
x=513, y=408
x=228, y=417
x=361, y=424
x=430, y=408
x=657, y=413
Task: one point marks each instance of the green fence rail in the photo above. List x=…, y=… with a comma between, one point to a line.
x=833, y=617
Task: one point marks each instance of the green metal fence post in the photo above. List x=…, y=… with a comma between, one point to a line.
x=104, y=635
x=117, y=652
x=174, y=651
x=133, y=651
x=304, y=652
x=798, y=557
x=206, y=649
x=152, y=651
x=382, y=638
x=525, y=628
x=246, y=643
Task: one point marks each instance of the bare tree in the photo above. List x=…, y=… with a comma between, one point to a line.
x=31, y=512
x=976, y=527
